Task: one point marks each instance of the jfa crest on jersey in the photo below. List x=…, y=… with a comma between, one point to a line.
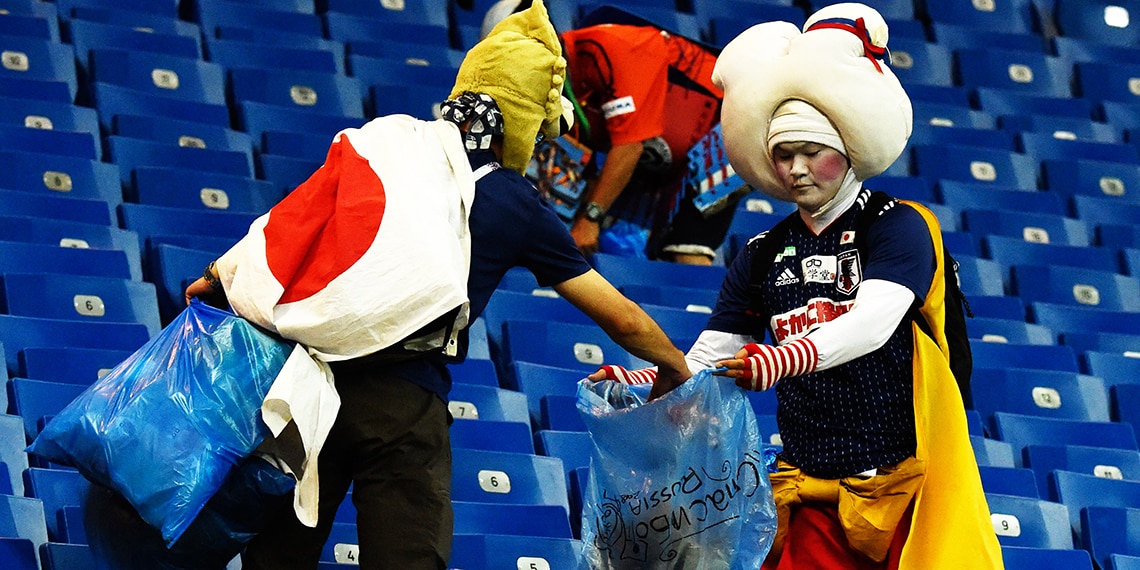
x=850, y=274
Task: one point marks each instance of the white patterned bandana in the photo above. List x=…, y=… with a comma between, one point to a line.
x=480, y=113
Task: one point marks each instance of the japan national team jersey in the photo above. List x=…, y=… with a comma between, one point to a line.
x=859, y=415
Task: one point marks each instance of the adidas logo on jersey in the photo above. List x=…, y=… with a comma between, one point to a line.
x=787, y=277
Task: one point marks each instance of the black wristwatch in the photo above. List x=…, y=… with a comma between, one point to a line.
x=593, y=212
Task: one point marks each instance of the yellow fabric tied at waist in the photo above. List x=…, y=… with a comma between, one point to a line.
x=870, y=508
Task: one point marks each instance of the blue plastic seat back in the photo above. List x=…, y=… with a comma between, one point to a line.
x=537, y=381
x=34, y=113
x=1029, y=522
x=68, y=234
x=1016, y=481
x=1010, y=251
x=314, y=91
x=18, y=553
x=113, y=100
x=28, y=57
x=1006, y=330
x=93, y=299
x=975, y=164
x=72, y=365
x=200, y=190
x=17, y=257
x=560, y=413
x=1071, y=177
x=512, y=478
x=574, y=448
x=1048, y=394
x=57, y=174
x=513, y=520
x=474, y=402
x=36, y=401
x=160, y=74
x=624, y=271
x=1030, y=226
x=58, y=556
x=505, y=551
x=1046, y=558
x=928, y=134
x=1027, y=71
x=87, y=35
x=1099, y=461
x=491, y=435
x=213, y=13
x=996, y=355
x=351, y=27
x=564, y=345
x=1021, y=430
x=1078, y=491
x=1110, y=530
x=57, y=488
x=1114, y=367
x=1045, y=146
x=1090, y=20
x=237, y=53
x=1017, y=16
x=1064, y=319
x=1004, y=102
x=1104, y=290
x=962, y=195
x=194, y=134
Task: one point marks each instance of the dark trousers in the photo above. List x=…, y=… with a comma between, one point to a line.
x=390, y=442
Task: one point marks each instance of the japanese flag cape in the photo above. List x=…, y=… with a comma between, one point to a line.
x=368, y=250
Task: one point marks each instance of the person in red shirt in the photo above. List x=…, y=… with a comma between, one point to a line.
x=647, y=97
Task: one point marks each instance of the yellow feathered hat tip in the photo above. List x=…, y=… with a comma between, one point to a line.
x=520, y=65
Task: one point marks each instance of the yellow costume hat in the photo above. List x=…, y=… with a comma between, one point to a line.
x=834, y=65
x=520, y=65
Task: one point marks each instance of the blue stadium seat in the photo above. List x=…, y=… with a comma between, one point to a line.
x=138, y=19
x=57, y=488
x=1063, y=127
x=951, y=95
x=305, y=146
x=921, y=62
x=1029, y=522
x=256, y=118
x=213, y=13
x=18, y=554
x=1131, y=257
x=1123, y=562
x=167, y=8
x=593, y=12
x=114, y=100
x=537, y=380
x=288, y=41
x=1106, y=81
x=284, y=172
x=560, y=413
x=415, y=53
x=171, y=269
x=1049, y=394
x=547, y=521
x=1012, y=331
x=505, y=551
x=1017, y=16
x=478, y=371
x=1045, y=146
x=1106, y=531
x=1063, y=319
x=72, y=365
x=914, y=188
x=237, y=53
x=60, y=175
x=473, y=402
x=510, y=478
x=130, y=154
x=39, y=59
x=434, y=12
x=1063, y=558
x=86, y=36
x=1101, y=21
x=1016, y=481
x=1032, y=227
x=504, y=305
x=1076, y=50
x=160, y=74
x=150, y=221
x=565, y=345
x=192, y=134
x=975, y=164
x=1079, y=286
x=371, y=71
x=491, y=435
x=966, y=195
x=77, y=235
x=574, y=448
x=343, y=544
x=196, y=189
x=1078, y=491
x=12, y=444
x=36, y=401
x=978, y=276
x=39, y=24
x=93, y=299
x=347, y=28
x=1085, y=341
x=626, y=271
x=960, y=242
x=326, y=93
x=1114, y=367
x=58, y=556
x=1000, y=102
x=16, y=256
x=37, y=114
x=1097, y=461
x=723, y=28
x=1102, y=210
x=38, y=89
x=1024, y=71
x=928, y=134
x=1126, y=404
x=1033, y=356
x=1010, y=251
x=1020, y=430
x=996, y=307
x=956, y=37
x=692, y=299
x=1117, y=235
x=1115, y=180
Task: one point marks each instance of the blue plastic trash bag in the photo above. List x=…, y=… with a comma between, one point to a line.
x=624, y=239
x=166, y=426
x=679, y=482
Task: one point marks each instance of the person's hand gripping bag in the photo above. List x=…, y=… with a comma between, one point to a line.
x=679, y=482
x=166, y=426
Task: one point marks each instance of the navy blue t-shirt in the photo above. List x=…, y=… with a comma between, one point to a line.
x=511, y=225
x=858, y=415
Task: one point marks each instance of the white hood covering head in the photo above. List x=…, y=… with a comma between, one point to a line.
x=834, y=67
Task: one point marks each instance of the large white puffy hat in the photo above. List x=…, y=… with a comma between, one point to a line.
x=833, y=65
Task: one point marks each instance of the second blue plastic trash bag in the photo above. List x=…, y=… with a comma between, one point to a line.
x=680, y=482
x=166, y=426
